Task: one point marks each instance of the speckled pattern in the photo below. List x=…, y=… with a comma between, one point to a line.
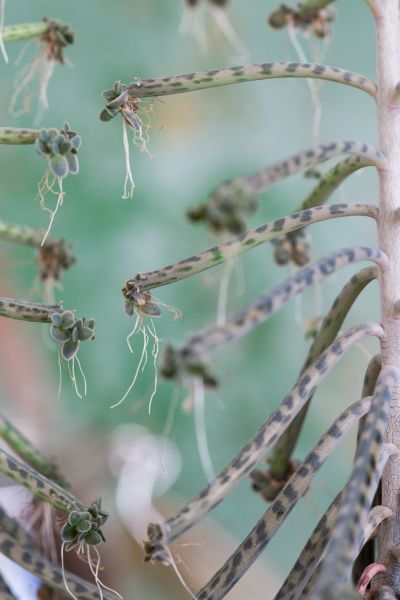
x=28, y=311
x=28, y=236
x=386, y=593
x=245, y=319
x=38, y=565
x=257, y=540
x=330, y=327
x=145, y=88
x=258, y=445
x=332, y=179
x=254, y=237
x=15, y=135
x=24, y=31
x=353, y=510
x=310, y=555
x=25, y=450
x=375, y=517
x=259, y=181
x=38, y=484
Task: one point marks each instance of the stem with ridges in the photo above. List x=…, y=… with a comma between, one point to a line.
x=388, y=64
x=280, y=459
x=189, y=82
x=24, y=31
x=245, y=461
x=16, y=135
x=25, y=450
x=38, y=484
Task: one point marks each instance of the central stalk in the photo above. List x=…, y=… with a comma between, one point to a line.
x=388, y=113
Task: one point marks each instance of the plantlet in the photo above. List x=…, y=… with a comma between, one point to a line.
x=354, y=549
x=324, y=570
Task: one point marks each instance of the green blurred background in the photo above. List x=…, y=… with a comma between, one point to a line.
x=197, y=140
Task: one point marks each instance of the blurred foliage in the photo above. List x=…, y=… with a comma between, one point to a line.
x=197, y=140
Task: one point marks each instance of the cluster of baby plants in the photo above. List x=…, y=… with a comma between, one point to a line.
x=354, y=549
x=81, y=524
x=334, y=562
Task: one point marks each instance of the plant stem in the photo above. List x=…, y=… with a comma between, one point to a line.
x=33, y=561
x=193, y=265
x=245, y=319
x=280, y=459
x=38, y=484
x=28, y=311
x=258, y=445
x=308, y=560
x=255, y=183
x=331, y=180
x=388, y=64
x=25, y=450
x=144, y=88
x=26, y=236
x=356, y=501
x=16, y=135
x=298, y=484
x=24, y=31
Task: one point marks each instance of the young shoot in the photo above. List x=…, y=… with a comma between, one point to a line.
x=82, y=532
x=69, y=331
x=51, y=51
x=143, y=304
x=119, y=101
x=60, y=149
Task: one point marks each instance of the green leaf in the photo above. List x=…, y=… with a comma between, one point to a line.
x=59, y=335
x=68, y=533
x=68, y=319
x=56, y=319
x=83, y=526
x=93, y=538
x=73, y=163
x=69, y=349
x=74, y=518
x=85, y=333
x=58, y=165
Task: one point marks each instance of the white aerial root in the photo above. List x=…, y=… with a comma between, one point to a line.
x=129, y=184
x=71, y=371
x=63, y=573
x=223, y=289
x=168, y=426
x=200, y=426
x=192, y=23
x=179, y=575
x=141, y=138
x=41, y=67
x=142, y=361
x=2, y=46
x=45, y=186
x=154, y=353
x=229, y=32
x=313, y=85
x=95, y=572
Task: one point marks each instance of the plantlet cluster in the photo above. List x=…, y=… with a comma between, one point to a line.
x=354, y=549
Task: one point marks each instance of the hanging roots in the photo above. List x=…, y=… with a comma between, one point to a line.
x=50, y=184
x=193, y=24
x=82, y=532
x=119, y=101
x=2, y=46
x=142, y=304
x=52, y=44
x=60, y=149
x=69, y=332
x=147, y=331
